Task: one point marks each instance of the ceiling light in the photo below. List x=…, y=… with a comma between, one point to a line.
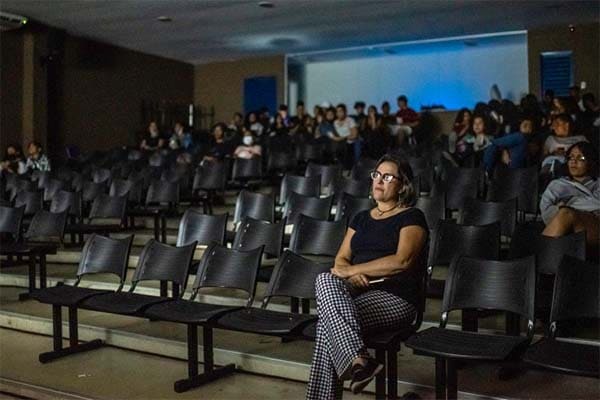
x=164, y=18
x=266, y=4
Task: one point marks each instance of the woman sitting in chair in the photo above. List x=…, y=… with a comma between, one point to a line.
x=374, y=285
x=572, y=204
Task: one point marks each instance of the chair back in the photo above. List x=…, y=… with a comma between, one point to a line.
x=317, y=237
x=201, y=228
x=576, y=292
x=253, y=233
x=314, y=207
x=162, y=262
x=229, y=268
x=293, y=276
x=255, y=205
x=104, y=255
x=475, y=283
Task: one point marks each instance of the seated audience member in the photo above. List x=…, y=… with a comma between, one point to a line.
x=283, y=112
x=37, y=160
x=407, y=120
x=572, y=203
x=590, y=119
x=512, y=147
x=218, y=149
x=373, y=286
x=247, y=149
x=325, y=123
x=359, y=115
x=346, y=129
x=376, y=135
x=237, y=123
x=280, y=138
x=180, y=140
x=482, y=138
x=13, y=161
x=298, y=119
x=559, y=106
x=547, y=101
x=557, y=144
x=153, y=140
x=460, y=140
x=386, y=116
x=254, y=125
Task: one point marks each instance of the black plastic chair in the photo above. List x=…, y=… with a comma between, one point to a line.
x=127, y=187
x=100, y=255
x=52, y=187
x=307, y=186
x=91, y=190
x=11, y=220
x=20, y=185
x=348, y=206
x=328, y=173
x=32, y=201
x=246, y=170
x=47, y=225
x=307, y=152
x=209, y=179
x=102, y=175
x=361, y=170
x=201, y=228
x=294, y=276
x=478, y=212
x=434, y=209
x=450, y=239
x=67, y=201
x=314, y=207
x=353, y=187
x=459, y=184
x=255, y=205
x=548, y=252
x=281, y=162
x=158, y=261
x=220, y=267
x=106, y=208
x=317, y=237
x=485, y=285
x=520, y=183
x=575, y=298
x=162, y=199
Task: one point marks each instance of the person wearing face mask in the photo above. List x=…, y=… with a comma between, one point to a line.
x=153, y=140
x=247, y=149
x=374, y=285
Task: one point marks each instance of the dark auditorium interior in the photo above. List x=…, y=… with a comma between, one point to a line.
x=299, y=199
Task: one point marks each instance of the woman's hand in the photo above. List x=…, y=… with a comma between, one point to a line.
x=359, y=280
x=342, y=272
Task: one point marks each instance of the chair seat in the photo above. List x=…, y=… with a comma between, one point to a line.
x=565, y=357
x=65, y=295
x=122, y=302
x=310, y=331
x=187, y=312
x=439, y=342
x=266, y=322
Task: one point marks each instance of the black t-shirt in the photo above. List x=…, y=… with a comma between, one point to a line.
x=379, y=238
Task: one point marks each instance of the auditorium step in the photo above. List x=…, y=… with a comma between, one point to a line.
x=261, y=354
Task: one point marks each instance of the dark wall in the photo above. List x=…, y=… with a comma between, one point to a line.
x=11, y=89
x=90, y=94
x=103, y=87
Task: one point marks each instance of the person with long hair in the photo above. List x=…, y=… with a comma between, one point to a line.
x=572, y=203
x=37, y=160
x=374, y=284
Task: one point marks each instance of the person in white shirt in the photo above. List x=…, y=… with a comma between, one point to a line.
x=346, y=129
x=248, y=149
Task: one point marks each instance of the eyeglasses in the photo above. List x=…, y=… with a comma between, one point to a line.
x=386, y=177
x=577, y=159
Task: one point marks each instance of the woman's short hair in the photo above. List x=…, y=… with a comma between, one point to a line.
x=591, y=156
x=407, y=195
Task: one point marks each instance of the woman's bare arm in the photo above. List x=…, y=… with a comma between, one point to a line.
x=344, y=254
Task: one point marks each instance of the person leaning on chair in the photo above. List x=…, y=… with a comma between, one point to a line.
x=374, y=284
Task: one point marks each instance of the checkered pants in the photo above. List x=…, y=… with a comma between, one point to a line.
x=344, y=316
